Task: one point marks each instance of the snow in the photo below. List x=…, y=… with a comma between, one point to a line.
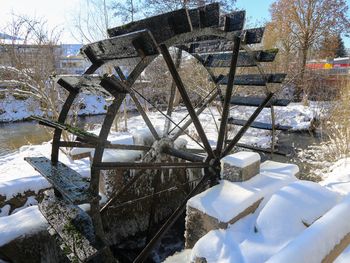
x=344, y=257
x=113, y=137
x=283, y=199
x=217, y=246
x=11, y=188
x=121, y=156
x=227, y=199
x=319, y=239
x=30, y=202
x=25, y=222
x=17, y=176
x=296, y=115
x=257, y=237
x=296, y=205
x=5, y=210
x=224, y=201
x=179, y=257
x=279, y=168
x=16, y=110
x=241, y=159
x=338, y=179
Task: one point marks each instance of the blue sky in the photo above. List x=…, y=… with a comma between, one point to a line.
x=255, y=9
x=258, y=10
x=57, y=12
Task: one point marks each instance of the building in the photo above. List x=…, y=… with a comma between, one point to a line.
x=59, y=59
x=71, y=61
x=336, y=66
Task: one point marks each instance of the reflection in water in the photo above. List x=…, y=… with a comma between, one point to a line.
x=298, y=141
x=16, y=134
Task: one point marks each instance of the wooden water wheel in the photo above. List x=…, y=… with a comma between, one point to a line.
x=215, y=41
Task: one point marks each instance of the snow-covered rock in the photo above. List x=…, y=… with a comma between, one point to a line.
x=318, y=242
x=227, y=202
x=281, y=218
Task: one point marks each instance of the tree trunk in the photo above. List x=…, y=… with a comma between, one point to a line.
x=177, y=65
x=303, y=88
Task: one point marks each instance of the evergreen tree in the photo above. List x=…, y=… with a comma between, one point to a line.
x=340, y=51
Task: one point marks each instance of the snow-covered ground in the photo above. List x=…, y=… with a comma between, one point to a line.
x=16, y=110
x=240, y=240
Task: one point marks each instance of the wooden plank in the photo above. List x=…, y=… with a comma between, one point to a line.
x=162, y=27
x=77, y=82
x=210, y=44
x=72, y=224
x=83, y=135
x=80, y=81
x=256, y=101
x=113, y=85
x=253, y=79
x=279, y=150
x=205, y=16
x=135, y=44
x=233, y=21
x=67, y=181
x=244, y=128
x=258, y=125
x=245, y=59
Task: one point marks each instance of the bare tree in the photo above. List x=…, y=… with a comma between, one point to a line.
x=91, y=19
x=306, y=21
x=26, y=67
x=328, y=46
x=127, y=11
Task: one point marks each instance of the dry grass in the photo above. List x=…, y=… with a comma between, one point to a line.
x=336, y=128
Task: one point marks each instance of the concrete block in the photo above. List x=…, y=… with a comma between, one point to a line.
x=199, y=224
x=241, y=166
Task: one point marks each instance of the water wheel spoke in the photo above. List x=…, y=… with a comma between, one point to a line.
x=183, y=155
x=169, y=118
x=171, y=189
x=244, y=128
x=185, y=98
x=172, y=95
x=106, y=146
x=208, y=99
x=144, y=115
x=172, y=218
x=137, y=103
x=228, y=95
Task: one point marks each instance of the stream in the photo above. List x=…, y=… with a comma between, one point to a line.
x=13, y=135
x=16, y=134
